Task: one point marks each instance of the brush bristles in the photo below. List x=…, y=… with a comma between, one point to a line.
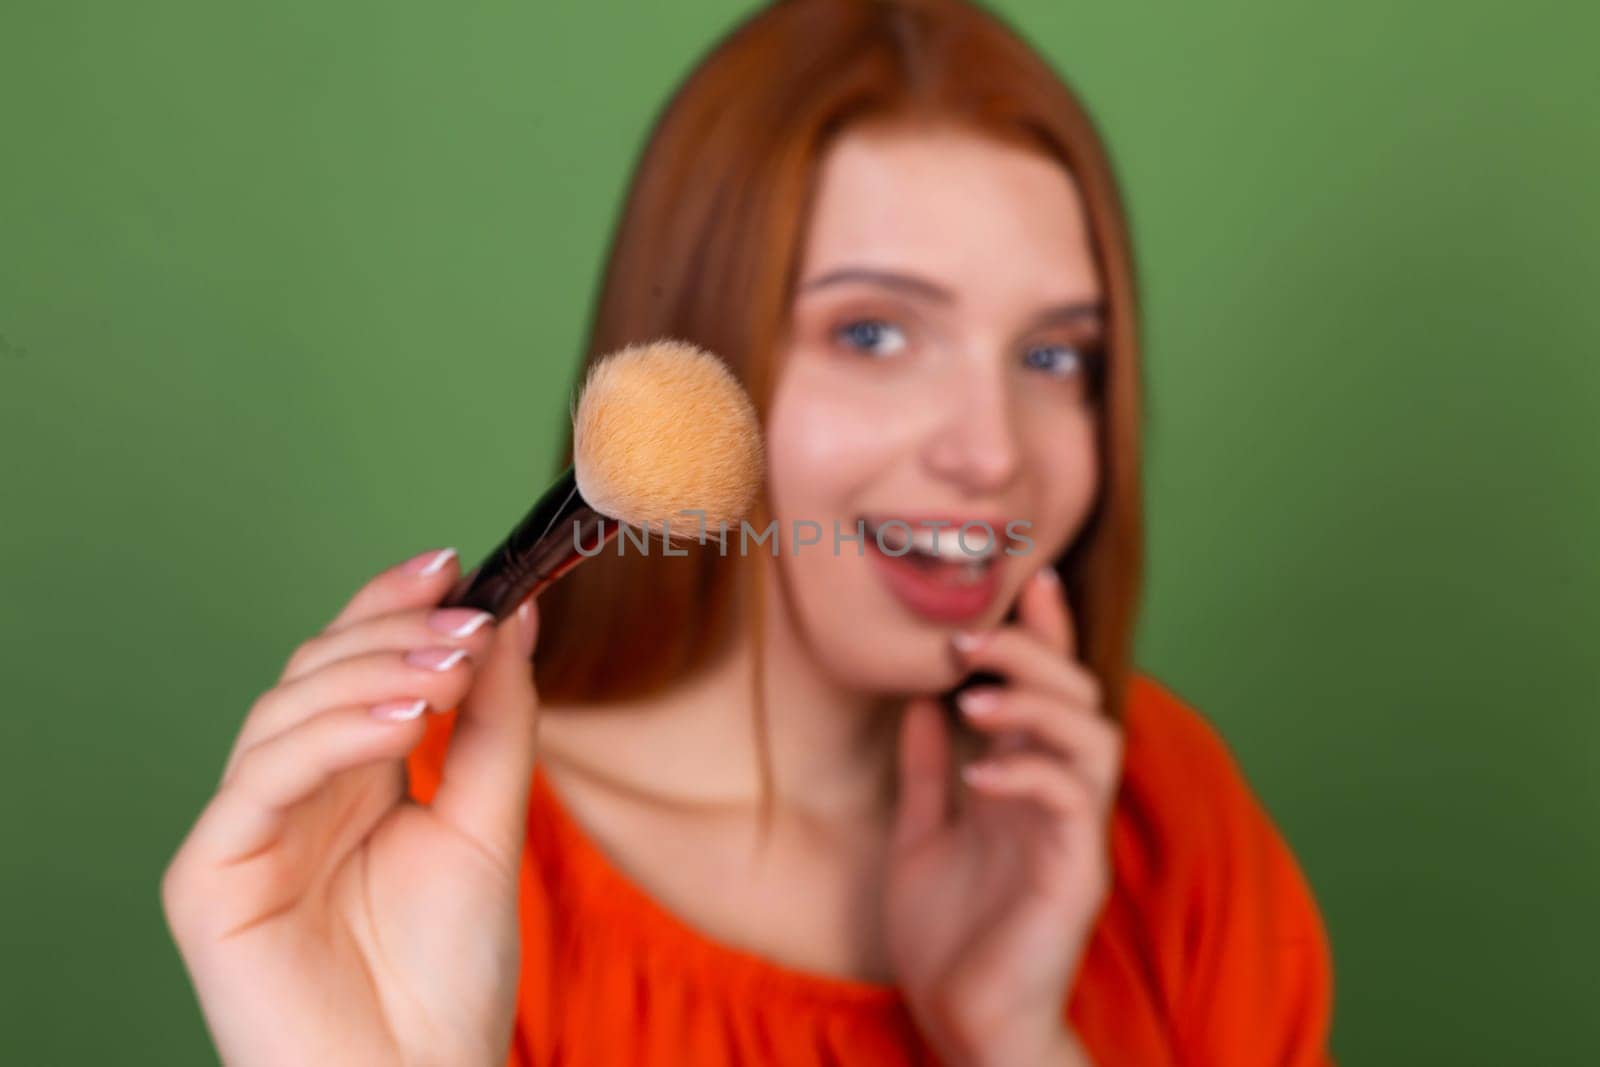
x=662, y=429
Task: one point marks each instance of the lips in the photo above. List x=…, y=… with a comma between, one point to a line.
x=942, y=568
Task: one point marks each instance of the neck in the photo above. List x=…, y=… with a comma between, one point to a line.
x=831, y=748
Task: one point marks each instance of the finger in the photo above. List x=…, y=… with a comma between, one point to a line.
x=1091, y=743
x=420, y=581
x=249, y=812
x=488, y=766
x=398, y=630
x=923, y=766
x=1003, y=741
x=1039, y=778
x=1023, y=658
x=439, y=675
x=1042, y=609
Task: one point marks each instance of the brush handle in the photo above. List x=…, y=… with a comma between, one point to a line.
x=540, y=549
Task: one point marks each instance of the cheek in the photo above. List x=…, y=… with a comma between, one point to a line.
x=823, y=444
x=1066, y=466
x=829, y=450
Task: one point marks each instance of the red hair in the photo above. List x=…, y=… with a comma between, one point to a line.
x=706, y=249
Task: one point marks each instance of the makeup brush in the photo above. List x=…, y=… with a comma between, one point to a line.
x=661, y=432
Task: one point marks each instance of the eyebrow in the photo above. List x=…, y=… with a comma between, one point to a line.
x=932, y=292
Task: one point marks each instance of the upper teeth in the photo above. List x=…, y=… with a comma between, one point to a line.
x=946, y=542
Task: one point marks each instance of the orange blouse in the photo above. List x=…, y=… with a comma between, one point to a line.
x=1210, y=949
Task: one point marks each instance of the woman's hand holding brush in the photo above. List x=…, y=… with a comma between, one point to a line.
x=323, y=916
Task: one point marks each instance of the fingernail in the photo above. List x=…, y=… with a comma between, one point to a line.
x=435, y=659
x=458, y=622
x=428, y=563
x=399, y=710
x=526, y=629
x=978, y=702
x=966, y=640
x=1048, y=576
x=981, y=773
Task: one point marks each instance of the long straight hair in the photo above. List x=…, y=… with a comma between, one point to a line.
x=706, y=249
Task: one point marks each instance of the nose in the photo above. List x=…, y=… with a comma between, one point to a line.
x=975, y=444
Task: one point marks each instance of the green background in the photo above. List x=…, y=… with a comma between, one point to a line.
x=289, y=292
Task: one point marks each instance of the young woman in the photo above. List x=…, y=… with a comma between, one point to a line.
x=735, y=823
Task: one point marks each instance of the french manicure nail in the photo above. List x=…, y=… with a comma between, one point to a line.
x=399, y=710
x=981, y=773
x=525, y=627
x=435, y=659
x=458, y=622
x=978, y=702
x=966, y=640
x=428, y=563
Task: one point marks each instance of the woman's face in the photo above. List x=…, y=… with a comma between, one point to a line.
x=944, y=323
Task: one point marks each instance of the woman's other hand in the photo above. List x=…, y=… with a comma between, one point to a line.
x=990, y=902
x=323, y=916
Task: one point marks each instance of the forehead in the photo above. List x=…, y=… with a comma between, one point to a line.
x=954, y=205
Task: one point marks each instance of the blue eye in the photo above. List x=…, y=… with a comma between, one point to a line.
x=873, y=335
x=1059, y=360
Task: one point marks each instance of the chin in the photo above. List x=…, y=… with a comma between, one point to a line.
x=867, y=641
x=886, y=663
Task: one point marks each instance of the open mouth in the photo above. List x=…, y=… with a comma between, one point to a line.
x=958, y=555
